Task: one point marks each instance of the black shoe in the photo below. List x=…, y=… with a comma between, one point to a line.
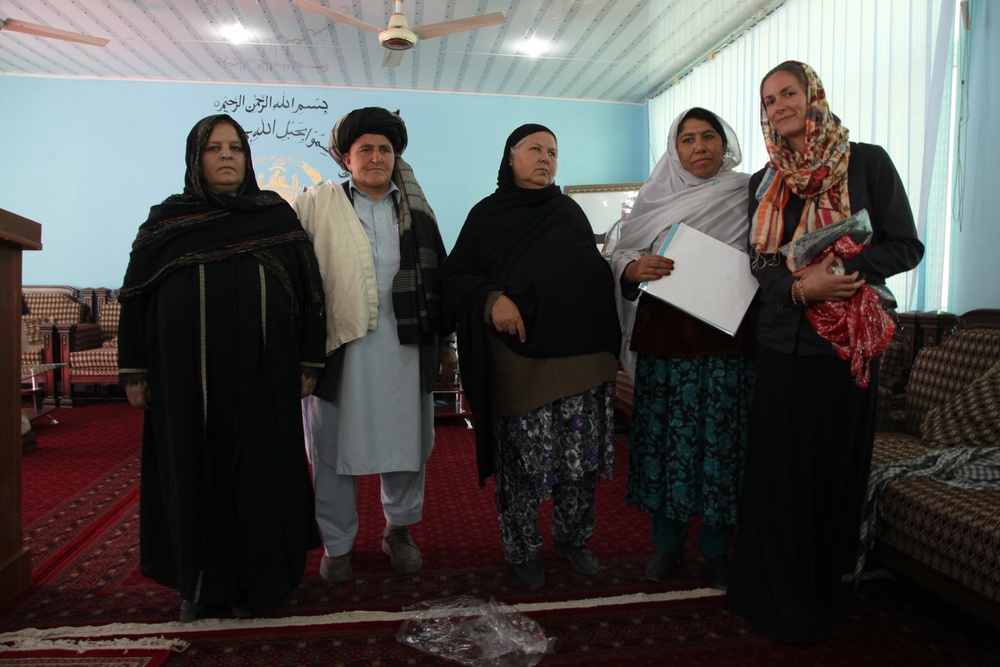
x=662, y=567
x=403, y=553
x=336, y=569
x=531, y=573
x=191, y=612
x=719, y=572
x=580, y=557
x=242, y=610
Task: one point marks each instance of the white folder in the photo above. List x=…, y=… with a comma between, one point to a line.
x=711, y=280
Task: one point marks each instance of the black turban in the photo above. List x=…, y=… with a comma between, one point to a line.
x=370, y=120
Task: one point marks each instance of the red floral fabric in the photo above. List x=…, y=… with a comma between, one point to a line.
x=859, y=328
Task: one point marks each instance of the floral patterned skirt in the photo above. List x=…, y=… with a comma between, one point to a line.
x=558, y=451
x=687, y=445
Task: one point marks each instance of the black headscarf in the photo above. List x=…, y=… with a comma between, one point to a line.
x=194, y=178
x=538, y=248
x=200, y=226
x=505, y=178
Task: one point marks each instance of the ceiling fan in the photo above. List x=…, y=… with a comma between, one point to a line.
x=398, y=37
x=55, y=33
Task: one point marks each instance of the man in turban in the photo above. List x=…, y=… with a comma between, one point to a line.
x=380, y=254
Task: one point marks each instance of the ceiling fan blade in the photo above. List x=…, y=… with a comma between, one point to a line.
x=458, y=25
x=55, y=33
x=392, y=58
x=336, y=16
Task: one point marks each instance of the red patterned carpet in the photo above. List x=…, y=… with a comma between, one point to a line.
x=85, y=557
x=93, y=658
x=459, y=539
x=885, y=627
x=77, y=446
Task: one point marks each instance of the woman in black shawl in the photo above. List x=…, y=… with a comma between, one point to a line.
x=538, y=337
x=222, y=330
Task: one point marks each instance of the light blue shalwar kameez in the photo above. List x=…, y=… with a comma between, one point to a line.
x=381, y=421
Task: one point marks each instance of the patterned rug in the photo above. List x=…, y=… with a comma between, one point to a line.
x=87, y=587
x=87, y=571
x=86, y=658
x=75, y=447
x=887, y=624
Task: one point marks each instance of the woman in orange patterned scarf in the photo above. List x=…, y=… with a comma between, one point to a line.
x=813, y=424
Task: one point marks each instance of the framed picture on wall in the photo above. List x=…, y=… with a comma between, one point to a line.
x=604, y=204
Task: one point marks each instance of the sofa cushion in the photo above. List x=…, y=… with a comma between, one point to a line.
x=971, y=417
x=98, y=361
x=32, y=328
x=954, y=531
x=109, y=315
x=53, y=307
x=85, y=337
x=34, y=354
x=893, y=367
x=892, y=446
x=941, y=372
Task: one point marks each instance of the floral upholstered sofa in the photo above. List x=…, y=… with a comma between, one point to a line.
x=50, y=305
x=90, y=350
x=940, y=535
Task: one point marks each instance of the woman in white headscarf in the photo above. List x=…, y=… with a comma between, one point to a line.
x=693, y=383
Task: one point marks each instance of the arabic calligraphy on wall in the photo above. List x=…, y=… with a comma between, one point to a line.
x=283, y=118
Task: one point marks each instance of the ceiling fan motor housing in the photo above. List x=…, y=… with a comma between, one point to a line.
x=397, y=39
x=397, y=35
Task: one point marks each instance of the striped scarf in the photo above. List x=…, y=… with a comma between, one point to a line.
x=818, y=174
x=416, y=289
x=961, y=467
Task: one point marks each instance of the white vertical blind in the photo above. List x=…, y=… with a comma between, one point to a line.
x=875, y=58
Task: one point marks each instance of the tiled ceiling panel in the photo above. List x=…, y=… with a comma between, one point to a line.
x=613, y=50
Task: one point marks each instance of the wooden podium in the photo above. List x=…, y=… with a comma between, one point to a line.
x=16, y=235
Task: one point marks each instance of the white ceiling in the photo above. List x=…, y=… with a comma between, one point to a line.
x=613, y=50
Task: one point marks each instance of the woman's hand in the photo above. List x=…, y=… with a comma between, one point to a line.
x=138, y=395
x=819, y=283
x=648, y=267
x=308, y=384
x=507, y=318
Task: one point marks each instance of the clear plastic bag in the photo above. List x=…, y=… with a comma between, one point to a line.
x=475, y=633
x=802, y=250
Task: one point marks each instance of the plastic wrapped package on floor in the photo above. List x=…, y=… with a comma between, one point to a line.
x=472, y=632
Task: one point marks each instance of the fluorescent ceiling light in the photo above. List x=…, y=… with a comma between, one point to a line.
x=235, y=33
x=535, y=47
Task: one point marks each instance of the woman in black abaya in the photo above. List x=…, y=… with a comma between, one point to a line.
x=222, y=330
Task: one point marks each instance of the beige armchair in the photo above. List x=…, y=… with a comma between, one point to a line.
x=90, y=350
x=50, y=305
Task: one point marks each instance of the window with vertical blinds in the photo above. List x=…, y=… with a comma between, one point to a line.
x=886, y=67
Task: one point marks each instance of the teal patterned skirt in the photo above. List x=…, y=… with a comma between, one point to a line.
x=688, y=441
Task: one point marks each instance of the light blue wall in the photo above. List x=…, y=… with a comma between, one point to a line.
x=975, y=282
x=87, y=158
